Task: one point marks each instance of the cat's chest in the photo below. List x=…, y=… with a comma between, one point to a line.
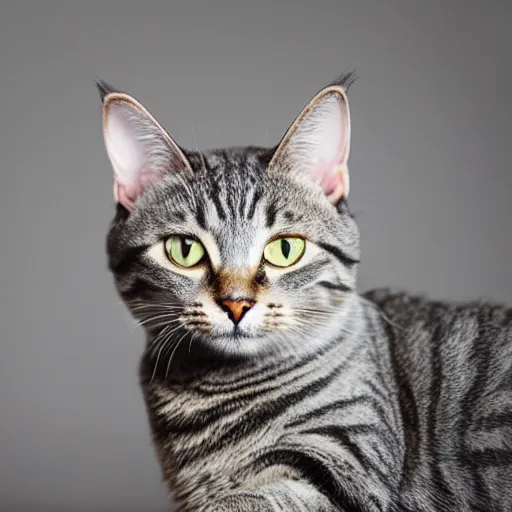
x=193, y=420
x=207, y=444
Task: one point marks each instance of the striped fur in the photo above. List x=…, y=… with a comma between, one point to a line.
x=332, y=400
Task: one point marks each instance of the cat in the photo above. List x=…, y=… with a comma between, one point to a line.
x=271, y=383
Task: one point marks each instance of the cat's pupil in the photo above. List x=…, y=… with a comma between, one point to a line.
x=186, y=245
x=285, y=248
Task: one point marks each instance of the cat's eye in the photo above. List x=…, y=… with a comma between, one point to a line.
x=285, y=251
x=184, y=251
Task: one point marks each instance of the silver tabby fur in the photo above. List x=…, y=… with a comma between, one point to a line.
x=376, y=402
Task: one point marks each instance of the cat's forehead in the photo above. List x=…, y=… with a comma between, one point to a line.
x=238, y=177
x=233, y=198
x=228, y=163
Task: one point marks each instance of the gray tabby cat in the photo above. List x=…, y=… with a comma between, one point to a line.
x=270, y=383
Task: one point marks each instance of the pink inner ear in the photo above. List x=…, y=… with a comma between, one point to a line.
x=329, y=176
x=128, y=194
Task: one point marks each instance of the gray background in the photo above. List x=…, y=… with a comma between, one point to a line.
x=430, y=170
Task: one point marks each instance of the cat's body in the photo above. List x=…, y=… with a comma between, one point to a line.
x=410, y=412
x=270, y=383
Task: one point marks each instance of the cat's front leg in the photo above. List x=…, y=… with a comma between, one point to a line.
x=285, y=496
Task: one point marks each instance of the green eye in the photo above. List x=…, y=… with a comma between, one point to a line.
x=284, y=252
x=184, y=251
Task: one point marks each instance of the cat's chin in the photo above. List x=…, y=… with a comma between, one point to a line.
x=238, y=344
x=243, y=345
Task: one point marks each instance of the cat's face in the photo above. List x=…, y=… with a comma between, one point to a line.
x=245, y=250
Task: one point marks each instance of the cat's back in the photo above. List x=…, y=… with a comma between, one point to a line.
x=480, y=331
x=453, y=367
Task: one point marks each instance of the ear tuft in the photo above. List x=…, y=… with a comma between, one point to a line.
x=345, y=80
x=104, y=89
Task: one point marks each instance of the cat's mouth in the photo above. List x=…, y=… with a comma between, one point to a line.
x=238, y=332
x=235, y=334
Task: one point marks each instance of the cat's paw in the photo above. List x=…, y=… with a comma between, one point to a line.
x=240, y=502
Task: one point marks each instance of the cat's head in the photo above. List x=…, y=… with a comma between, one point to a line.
x=242, y=250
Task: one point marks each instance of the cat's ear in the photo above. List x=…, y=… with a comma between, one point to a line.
x=317, y=144
x=140, y=150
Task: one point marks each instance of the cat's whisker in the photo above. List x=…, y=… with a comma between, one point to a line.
x=158, y=339
x=190, y=344
x=172, y=354
x=381, y=314
x=312, y=316
x=164, y=343
x=158, y=317
x=155, y=325
x=164, y=307
x=157, y=360
x=310, y=313
x=169, y=333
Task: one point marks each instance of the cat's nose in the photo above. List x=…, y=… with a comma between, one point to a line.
x=236, y=309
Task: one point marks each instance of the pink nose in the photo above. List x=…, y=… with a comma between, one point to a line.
x=236, y=309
